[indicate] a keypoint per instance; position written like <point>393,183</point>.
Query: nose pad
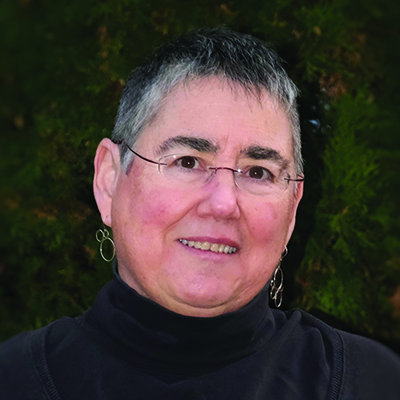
<point>220,200</point>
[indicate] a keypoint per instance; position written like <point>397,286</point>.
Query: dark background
<point>63,65</point>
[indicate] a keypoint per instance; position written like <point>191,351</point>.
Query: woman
<point>200,185</point>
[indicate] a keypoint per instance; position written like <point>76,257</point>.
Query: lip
<point>219,240</point>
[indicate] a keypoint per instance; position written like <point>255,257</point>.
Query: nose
<point>220,197</point>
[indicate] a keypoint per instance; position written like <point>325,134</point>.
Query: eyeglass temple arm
<point>295,180</point>
<point>137,154</point>
<point>213,168</point>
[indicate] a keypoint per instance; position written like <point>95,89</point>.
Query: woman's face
<point>151,215</point>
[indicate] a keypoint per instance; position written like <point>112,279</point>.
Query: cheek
<point>269,223</point>
<point>158,208</point>
<point>155,210</point>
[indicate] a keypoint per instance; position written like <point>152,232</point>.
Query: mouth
<point>209,246</point>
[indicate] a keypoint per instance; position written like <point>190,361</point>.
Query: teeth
<point>214,247</point>
<point>207,246</point>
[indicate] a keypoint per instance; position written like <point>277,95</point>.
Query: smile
<point>207,246</point>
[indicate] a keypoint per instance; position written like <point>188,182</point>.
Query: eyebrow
<point>265,153</point>
<point>254,152</point>
<point>189,142</point>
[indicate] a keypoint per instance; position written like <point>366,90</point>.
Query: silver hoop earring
<point>102,235</point>
<point>276,284</point>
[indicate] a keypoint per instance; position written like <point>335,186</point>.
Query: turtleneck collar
<point>146,333</point>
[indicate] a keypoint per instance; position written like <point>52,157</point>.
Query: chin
<point>200,299</point>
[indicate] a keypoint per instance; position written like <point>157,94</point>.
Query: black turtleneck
<point>139,346</point>
<point>128,347</point>
<point>155,338</point>
<point>128,344</point>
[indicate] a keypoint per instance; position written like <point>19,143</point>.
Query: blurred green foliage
<point>63,66</point>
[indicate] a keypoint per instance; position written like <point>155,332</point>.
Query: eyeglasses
<point>259,177</point>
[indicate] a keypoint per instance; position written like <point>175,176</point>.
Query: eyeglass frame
<point>214,169</point>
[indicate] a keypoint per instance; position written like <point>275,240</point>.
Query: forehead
<point>224,114</point>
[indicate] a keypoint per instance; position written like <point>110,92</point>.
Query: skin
<point>148,214</point>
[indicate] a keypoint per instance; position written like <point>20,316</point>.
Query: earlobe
<point>106,172</point>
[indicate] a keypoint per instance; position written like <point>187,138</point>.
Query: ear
<point>298,194</point>
<point>107,169</point>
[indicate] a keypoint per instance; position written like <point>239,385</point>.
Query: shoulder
<point>370,368</point>
<point>23,367</point>
<point>16,352</point>
<point>365,369</point>
<point>18,378</point>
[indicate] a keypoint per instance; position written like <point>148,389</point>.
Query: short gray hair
<point>201,53</point>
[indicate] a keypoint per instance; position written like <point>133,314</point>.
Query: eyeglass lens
<point>258,177</point>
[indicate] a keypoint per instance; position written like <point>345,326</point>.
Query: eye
<point>188,162</point>
<point>260,173</point>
